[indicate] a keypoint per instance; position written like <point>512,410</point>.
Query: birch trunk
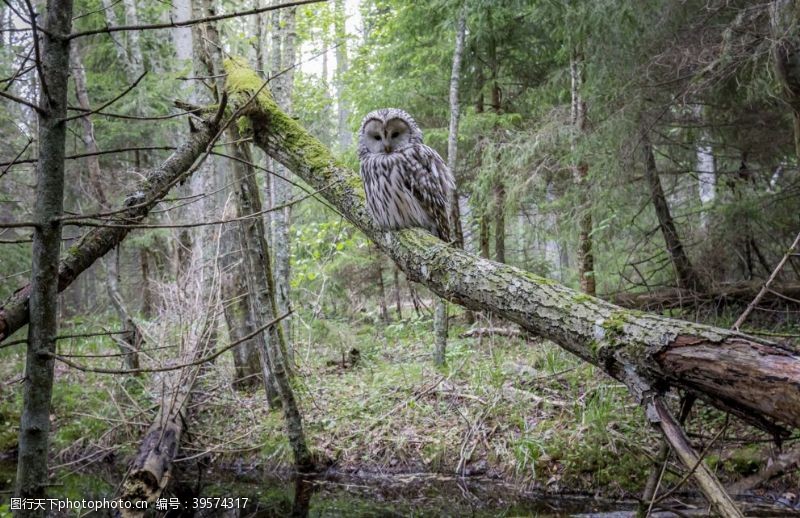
<point>440,322</point>
<point>136,62</point>
<point>182,36</point>
<point>34,428</point>
<point>112,21</point>
<point>753,378</point>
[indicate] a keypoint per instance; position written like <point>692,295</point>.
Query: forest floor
<point>516,409</point>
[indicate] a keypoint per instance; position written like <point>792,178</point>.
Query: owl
<point>407,183</point>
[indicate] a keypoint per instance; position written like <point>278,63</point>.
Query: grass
<point>521,410</point>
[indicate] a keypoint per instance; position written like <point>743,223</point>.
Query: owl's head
<point>387,130</point>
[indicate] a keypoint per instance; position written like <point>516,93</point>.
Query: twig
<point>711,487</point>
<point>20,100</point>
<point>37,53</point>
<point>16,161</point>
<point>190,22</point>
<point>765,288</point>
<point>83,223</point>
<point>199,361</point>
<point>106,104</point>
<point>8,166</point>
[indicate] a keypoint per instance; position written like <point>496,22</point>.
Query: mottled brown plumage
<point>407,183</point>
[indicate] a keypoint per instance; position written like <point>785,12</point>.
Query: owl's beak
<point>387,148</point>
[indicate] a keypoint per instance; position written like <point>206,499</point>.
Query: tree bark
<point>89,142</point>
<point>784,20</point>
<point>397,299</point>
<point>34,428</point>
<point>440,322</point>
<point>151,469</point>
<point>236,307</point>
<point>254,251</point>
<point>262,298</point>
<point>484,236</point>
<point>112,21</point>
<point>148,304</point>
<point>283,63</point>
<point>685,273</point>
<point>753,378</point>
<point>130,341</point>
<point>339,33</point>
<point>100,240</point>
<point>580,172</point>
<point>499,221</point>
<point>136,62</point>
<point>384,310</point>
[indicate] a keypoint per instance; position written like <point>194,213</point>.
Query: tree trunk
<point>751,377</point>
<point>34,428</point>
<point>182,36</point>
<point>339,33</point>
<point>136,62</point>
<point>98,241</point>
<point>484,236</point>
<point>706,171</point>
<point>685,273</point>
<point>580,172</point>
<point>255,254</point>
<point>148,304</point>
<point>784,19</point>
<point>263,304</point>
<point>384,310</point>
<point>151,470</point>
<point>130,341</point>
<point>112,21</point>
<point>283,63</point>
<point>440,322</point>
<point>236,307</point>
<point>397,302</point>
<point>89,142</point>
<point>499,221</point>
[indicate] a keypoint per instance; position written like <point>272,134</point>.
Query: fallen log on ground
<point>753,378</point>
<point>739,294</point>
<point>151,470</point>
<point>100,240</point>
<point>480,332</point>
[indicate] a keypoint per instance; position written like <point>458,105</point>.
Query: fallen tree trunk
<point>753,378</point>
<point>100,240</point>
<point>152,468</point>
<point>739,293</point>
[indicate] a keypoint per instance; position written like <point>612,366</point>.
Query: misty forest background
<point>643,152</point>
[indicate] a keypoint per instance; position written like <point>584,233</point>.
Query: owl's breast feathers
<point>410,187</point>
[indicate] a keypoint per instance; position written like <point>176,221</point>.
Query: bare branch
<point>199,361</point>
<point>106,104</point>
<point>193,21</point>
<point>20,100</point>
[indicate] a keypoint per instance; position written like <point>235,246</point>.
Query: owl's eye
<point>377,137</point>
<point>395,134</point>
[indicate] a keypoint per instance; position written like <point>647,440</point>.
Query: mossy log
<point>151,470</point>
<point>100,240</point>
<point>753,378</point>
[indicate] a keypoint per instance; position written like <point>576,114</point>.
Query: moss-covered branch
<point>755,379</point>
